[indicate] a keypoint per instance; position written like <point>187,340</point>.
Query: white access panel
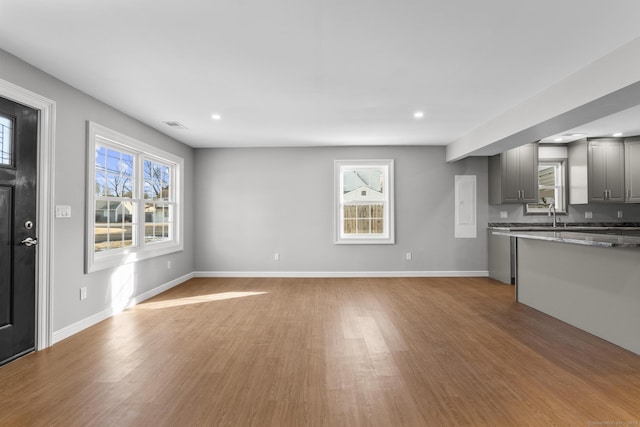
<point>465,217</point>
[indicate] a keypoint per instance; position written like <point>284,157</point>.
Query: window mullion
<point>139,200</point>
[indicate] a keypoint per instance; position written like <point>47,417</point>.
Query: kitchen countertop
<point>563,226</point>
<point>626,240</point>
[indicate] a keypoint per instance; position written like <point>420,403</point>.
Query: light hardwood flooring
<point>327,352</point>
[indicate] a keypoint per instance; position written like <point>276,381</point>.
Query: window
<point>6,140</point>
<point>158,205</point>
<point>551,187</point>
<point>133,200</point>
<point>364,202</point>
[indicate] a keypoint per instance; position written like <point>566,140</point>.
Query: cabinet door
<point>632,170</point>
<point>615,172</point>
<point>510,175</point>
<point>528,166</point>
<point>597,172</point>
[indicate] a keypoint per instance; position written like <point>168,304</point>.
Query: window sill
<point>103,261</point>
<point>364,241</point>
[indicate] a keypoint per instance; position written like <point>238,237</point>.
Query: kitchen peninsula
<point>589,280</point>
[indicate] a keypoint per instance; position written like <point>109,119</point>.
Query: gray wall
<point>252,203</point>
<point>73,109</point>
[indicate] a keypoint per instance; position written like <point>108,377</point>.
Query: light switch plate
<point>63,211</point>
<point>588,215</point>
<point>504,214</point>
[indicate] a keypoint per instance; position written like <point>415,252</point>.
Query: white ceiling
<point>624,123</point>
<point>314,72</point>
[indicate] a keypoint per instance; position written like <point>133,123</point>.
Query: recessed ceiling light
<point>558,140</point>
<point>418,115</point>
<point>216,117</point>
<point>617,134</point>
<point>575,135</point>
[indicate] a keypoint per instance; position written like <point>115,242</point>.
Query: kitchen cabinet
<point>606,170</point>
<point>632,169</point>
<point>513,176</point>
<point>600,172</point>
<point>578,152</point>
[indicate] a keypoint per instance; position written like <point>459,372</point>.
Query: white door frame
<point>44,258</point>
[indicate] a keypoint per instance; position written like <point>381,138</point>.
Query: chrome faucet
<point>552,209</point>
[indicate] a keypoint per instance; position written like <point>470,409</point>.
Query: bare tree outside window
<point>114,205</point>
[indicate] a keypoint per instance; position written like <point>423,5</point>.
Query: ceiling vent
<point>174,124</point>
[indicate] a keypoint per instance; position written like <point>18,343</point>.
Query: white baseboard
<point>74,328</point>
<point>329,274</point>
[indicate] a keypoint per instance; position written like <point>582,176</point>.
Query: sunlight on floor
<point>123,286</point>
<point>197,299</point>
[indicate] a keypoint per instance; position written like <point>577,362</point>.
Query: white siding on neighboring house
<point>118,209</point>
<point>364,194</point>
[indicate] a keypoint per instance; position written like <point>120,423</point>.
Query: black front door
<point>18,168</point>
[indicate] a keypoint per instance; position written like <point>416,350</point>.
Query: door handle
<point>29,241</point>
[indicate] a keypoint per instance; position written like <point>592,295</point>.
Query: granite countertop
<point>575,237</point>
<point>573,226</point>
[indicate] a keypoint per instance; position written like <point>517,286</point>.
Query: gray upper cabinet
<point>632,169</point>
<point>513,176</point>
<point>606,170</point>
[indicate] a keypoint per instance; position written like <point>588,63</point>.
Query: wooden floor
<point>327,352</point>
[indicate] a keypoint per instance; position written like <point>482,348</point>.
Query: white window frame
<point>103,136</point>
<point>388,236</point>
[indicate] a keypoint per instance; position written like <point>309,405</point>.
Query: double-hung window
<point>364,202</point>
<point>134,200</point>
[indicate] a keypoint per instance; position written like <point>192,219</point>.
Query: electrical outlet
<point>168,264</point>
<point>83,293</point>
<point>619,214</point>
<point>504,214</point>
<point>408,256</point>
<point>276,256</point>
<point>588,215</point>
